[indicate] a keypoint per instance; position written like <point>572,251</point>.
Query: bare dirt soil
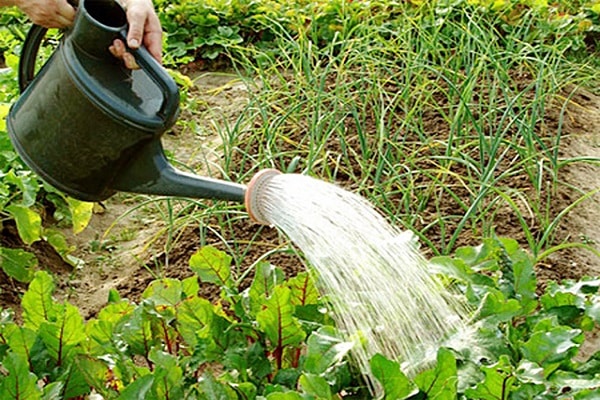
<point>124,250</point>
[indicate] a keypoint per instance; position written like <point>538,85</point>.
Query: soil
<point>126,245</point>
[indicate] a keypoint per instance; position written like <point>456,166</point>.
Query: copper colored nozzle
<point>252,199</point>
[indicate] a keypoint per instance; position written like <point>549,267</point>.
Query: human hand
<point>47,13</point>
<point>144,28</point>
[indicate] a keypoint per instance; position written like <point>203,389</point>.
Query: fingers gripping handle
<point>170,105</point>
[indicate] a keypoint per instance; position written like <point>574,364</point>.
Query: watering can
<point>91,127</point>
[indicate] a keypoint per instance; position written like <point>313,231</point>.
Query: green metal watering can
<point>91,127</point>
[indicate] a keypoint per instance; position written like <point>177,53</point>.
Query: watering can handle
<point>29,52</point>
<point>161,78</point>
<point>168,109</point>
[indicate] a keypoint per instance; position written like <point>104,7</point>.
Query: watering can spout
<point>151,173</point>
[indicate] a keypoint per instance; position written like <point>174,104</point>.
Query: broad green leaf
<point>451,267</point>
<point>395,384</point>
<point>324,350</point>
<point>4,108</point>
<point>277,320</point>
<point>102,329</point>
<point>20,340</point>
<point>585,286</point>
<point>212,266</point>
<point>38,305</point>
<point>528,391</point>
<point>58,240</point>
<point>593,310</point>
<point>62,335</point>
<point>20,384</point>
<point>287,377</point>
<point>285,396</point>
<point>469,373</point>
<point>525,282</point>
<point>258,361</point>
<point>497,308</point>
<point>27,184</point>
<point>303,289</point>
<point>551,345</point>
<point>591,394</point>
<point>166,291</point>
<point>498,380</point>
<point>81,213</point>
<point>53,391</point>
<point>530,381</point>
<point>96,373</point>
<point>573,382</point>
<point>479,258</point>
<point>18,263</point>
<point>529,372</point>
<point>582,296</point>
<point>137,333</point>
<point>591,366</point>
<point>74,383</point>
<point>558,296</point>
<point>190,286</point>
<point>193,315</point>
<point>441,382</point>
<point>246,390</point>
<point>266,277</point>
<point>315,385</point>
<point>167,376</point>
<point>213,389</point>
<point>114,296</point>
<point>12,61</point>
<point>140,389</point>
<point>29,223</point>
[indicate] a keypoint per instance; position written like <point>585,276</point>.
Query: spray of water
<point>380,286</point>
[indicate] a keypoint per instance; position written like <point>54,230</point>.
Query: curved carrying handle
<point>169,108</point>
<point>30,50</point>
<point>29,53</point>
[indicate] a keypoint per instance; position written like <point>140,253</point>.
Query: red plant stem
<point>278,354</point>
<point>167,340</point>
<point>296,359</point>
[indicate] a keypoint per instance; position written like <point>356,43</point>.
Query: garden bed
<point>125,250</point>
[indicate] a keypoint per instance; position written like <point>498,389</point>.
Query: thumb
<point>136,28</point>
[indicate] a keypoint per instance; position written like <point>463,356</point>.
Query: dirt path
<point>582,122</point>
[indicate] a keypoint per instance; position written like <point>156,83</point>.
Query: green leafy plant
<point>175,344</point>
<point>272,340</point>
<point>325,70</point>
<point>212,29</point>
<point>24,199</point>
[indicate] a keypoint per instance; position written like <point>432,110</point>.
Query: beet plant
<point>275,339</point>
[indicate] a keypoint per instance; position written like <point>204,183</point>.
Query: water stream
<point>380,286</point>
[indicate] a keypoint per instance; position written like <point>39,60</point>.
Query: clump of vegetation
<point>416,105</point>
<point>211,29</point>
<point>275,340</point>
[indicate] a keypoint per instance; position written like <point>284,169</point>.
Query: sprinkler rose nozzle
<point>255,197</point>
